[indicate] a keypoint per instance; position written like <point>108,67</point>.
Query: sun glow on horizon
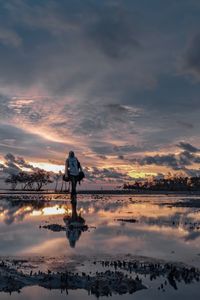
<point>141,174</point>
<point>48,166</point>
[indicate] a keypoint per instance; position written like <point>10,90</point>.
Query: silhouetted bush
<point>166,184</point>
<point>29,180</point>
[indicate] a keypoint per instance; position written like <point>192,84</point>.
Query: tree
<point>13,180</point>
<point>29,180</point>
<point>178,182</point>
<point>41,178</point>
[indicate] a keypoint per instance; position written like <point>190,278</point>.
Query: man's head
<point>71,154</point>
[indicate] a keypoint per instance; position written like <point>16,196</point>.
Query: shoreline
<point>102,192</point>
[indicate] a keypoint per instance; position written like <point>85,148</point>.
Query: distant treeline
<point>166,184</point>
<point>29,180</point>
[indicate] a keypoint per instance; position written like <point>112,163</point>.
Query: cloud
<point>177,162</point>
<point>98,77</point>
<point>127,149</point>
<point>9,37</point>
<point>106,148</point>
<point>168,160</point>
<point>78,34</point>
<point>14,212</point>
<point>185,124</point>
<point>29,144</point>
<point>188,147</point>
<point>109,175</point>
<point>192,59</point>
<point>191,236</point>
<point>113,32</point>
<point>19,161</point>
<point>14,165</point>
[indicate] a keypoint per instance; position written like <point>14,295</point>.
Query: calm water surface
<point>163,229</point>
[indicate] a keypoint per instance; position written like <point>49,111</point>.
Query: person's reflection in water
<point>75,225</point>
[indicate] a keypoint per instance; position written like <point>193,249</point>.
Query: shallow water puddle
<point>157,227</point>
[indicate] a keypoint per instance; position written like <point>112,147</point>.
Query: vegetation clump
<point>174,183</point>
<point>34,180</point>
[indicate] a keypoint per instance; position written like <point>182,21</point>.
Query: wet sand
<point>107,275</point>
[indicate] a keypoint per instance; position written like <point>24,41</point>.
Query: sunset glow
<point>110,92</point>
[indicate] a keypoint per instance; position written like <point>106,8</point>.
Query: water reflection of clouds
<point>159,229</point>
<point>14,211</point>
<point>11,213</point>
<point>47,247</point>
<point>144,240</point>
<point>192,236</point>
<point>147,212</point>
<point>17,237</point>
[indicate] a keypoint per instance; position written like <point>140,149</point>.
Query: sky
<point>117,81</point>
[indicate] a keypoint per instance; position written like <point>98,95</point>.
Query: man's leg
<point>73,191</point>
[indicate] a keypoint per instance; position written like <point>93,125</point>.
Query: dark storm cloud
<point>180,161</point>
<point>188,147</point>
<point>106,174</point>
<point>127,149</point>
<point>168,160</point>
<point>112,149</point>
<point>192,60</point>
<point>191,236</point>
<point>51,32</point>
<point>99,118</point>
<point>109,25</point>
<point>17,161</point>
<point>13,165</point>
<point>185,124</point>
<point>76,34</point>
<point>9,168</point>
<point>102,148</point>
<point>113,32</point>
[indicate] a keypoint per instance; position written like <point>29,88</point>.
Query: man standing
<point>72,170</point>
